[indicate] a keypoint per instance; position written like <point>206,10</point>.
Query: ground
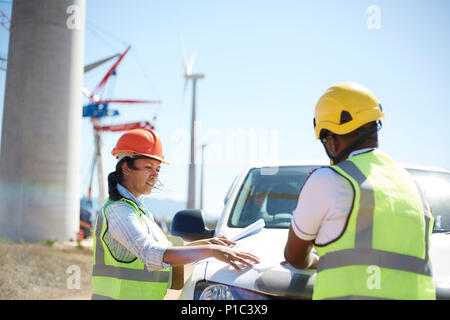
<point>49,271</point>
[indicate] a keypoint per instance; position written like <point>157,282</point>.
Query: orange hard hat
<point>139,142</point>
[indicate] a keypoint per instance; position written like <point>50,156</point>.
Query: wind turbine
<point>189,75</point>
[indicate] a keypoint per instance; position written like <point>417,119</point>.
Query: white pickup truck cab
<point>270,193</point>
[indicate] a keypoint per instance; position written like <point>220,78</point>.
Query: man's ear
<point>334,145</point>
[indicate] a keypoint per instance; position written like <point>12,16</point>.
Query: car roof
<point>426,168</point>
<point>320,163</point>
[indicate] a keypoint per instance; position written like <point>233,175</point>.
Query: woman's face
<point>142,179</point>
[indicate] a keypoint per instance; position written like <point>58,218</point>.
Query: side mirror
<point>190,225</point>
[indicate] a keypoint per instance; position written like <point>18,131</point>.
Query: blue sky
<point>266,63</point>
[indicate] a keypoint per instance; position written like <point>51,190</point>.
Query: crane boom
<point>126,126</point>
<point>4,20</point>
<point>110,72</point>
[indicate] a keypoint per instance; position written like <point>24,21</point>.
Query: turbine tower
<point>40,149</point>
<point>188,75</point>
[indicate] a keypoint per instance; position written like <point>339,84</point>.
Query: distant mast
<point>192,174</point>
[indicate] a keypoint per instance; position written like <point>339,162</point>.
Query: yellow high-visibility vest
<point>113,279</point>
<point>383,251</point>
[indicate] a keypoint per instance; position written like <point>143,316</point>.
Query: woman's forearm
<point>176,256</point>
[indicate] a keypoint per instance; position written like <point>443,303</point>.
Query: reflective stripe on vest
<point>150,280</point>
<point>383,259</point>
<point>357,298</point>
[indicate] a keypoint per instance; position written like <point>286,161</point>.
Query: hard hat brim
<point>341,129</point>
<point>130,152</point>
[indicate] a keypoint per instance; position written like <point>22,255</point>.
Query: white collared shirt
<point>323,205</point>
<point>128,238</point>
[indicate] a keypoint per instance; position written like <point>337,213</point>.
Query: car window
<point>270,194</point>
<point>436,187</point>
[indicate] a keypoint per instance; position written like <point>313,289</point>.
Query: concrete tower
<point>40,148</point>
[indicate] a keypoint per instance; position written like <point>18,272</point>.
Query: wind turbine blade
<point>183,55</point>
<point>191,63</point>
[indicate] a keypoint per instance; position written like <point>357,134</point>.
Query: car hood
<point>269,276</point>
<point>283,280</point>
<point>440,259</point>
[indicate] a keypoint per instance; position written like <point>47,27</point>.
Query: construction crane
<point>97,109</point>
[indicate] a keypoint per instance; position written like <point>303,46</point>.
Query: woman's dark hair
<point>116,177</point>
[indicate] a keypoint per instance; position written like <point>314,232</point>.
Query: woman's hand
<point>176,256</point>
<point>233,257</point>
<point>220,241</point>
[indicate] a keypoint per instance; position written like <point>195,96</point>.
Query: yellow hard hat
<point>345,107</point>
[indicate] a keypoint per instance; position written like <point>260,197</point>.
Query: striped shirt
<point>127,238</point>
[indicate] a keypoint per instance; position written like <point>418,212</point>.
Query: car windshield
<point>436,186</point>
<point>272,194</point>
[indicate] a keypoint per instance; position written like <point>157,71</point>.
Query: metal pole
<point>202,176</point>
<point>99,163</point>
<point>192,174</point>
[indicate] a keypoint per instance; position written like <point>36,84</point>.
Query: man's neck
<point>365,145</point>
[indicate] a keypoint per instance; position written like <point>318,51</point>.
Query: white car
<point>270,193</point>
